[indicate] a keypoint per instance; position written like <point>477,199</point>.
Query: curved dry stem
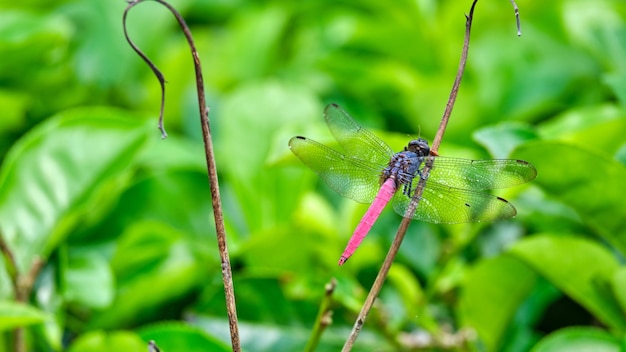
<point>229,290</point>
<point>152,66</point>
<point>517,21</point>
<point>404,225</point>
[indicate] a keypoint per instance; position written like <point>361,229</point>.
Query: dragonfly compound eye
<point>419,147</point>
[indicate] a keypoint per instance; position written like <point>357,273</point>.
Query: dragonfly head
<point>418,146</point>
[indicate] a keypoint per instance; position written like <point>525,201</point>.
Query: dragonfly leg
<point>406,189</point>
<point>407,182</point>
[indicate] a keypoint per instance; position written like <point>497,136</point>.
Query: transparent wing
<point>442,204</point>
<point>479,174</point>
<point>355,140</point>
<point>348,176</point>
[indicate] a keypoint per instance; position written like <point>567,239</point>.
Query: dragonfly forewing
<point>355,140</point>
<point>348,176</point>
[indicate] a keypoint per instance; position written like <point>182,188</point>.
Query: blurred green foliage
<point>123,220</point>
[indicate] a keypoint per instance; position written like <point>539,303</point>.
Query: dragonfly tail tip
<point>342,260</point>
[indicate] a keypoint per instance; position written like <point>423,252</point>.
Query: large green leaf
<point>603,124</point>
<point>176,336</point>
<point>579,267</point>
<point>14,315</point>
<point>177,196</point>
<point>587,181</point>
<point>27,40</point>
<point>61,172</point>
<point>578,339</point>
<point>619,287</point>
<point>155,265</point>
<point>88,280</point>
<point>262,194</point>
<point>99,341</point>
<point>492,292</point>
<point>503,138</point>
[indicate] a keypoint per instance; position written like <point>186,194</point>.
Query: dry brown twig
<point>22,286</point>
<point>404,225</point>
<point>229,290</point>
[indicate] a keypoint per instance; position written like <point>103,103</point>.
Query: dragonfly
<point>454,190</point>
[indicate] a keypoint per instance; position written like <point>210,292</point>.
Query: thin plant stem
<point>10,263</point>
<point>517,20</point>
<point>152,347</point>
<point>324,316</point>
<point>404,225</point>
<point>229,290</point>
<point>22,286</point>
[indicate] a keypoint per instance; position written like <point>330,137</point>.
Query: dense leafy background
<point>123,219</point>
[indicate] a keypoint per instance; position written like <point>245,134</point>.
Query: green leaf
<point>492,292</point>
<point>89,280</point>
<point>99,341</point>
<point>503,138</point>
<point>586,181</point>
<point>177,195</point>
<point>176,336</point>
<point>578,339</point>
<point>408,286</point>
<point>617,83</point>
<point>423,236</point>
<point>244,153</point>
<point>155,265</point>
<point>62,171</point>
<point>255,41</point>
<point>603,124</point>
<point>411,303</point>
<point>14,315</point>
<point>619,287</point>
<point>14,105</point>
<point>27,40</point>
<point>599,28</point>
<point>580,268</point>
<point>174,153</point>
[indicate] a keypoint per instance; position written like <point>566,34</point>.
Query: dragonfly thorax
<point>403,168</point>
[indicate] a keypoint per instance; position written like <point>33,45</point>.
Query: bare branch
<point>404,225</point>
<point>229,290</point>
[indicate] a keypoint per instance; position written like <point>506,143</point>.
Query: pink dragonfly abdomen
<point>387,190</point>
